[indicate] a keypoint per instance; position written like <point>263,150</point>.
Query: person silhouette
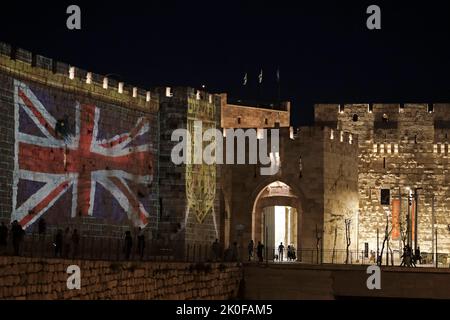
<point>281,251</point>
<point>128,244</point>
<point>251,246</point>
<point>259,251</point>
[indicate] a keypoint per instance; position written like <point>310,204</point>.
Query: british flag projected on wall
<point>78,160</point>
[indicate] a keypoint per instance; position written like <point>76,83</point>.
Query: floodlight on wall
<point>89,78</point>
<point>259,133</point>
<point>105,83</point>
<point>72,73</point>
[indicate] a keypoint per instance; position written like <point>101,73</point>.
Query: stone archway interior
<point>276,217</point>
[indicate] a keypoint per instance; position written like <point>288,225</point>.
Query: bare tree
<point>387,234</point>
<point>334,245</point>
<point>318,239</point>
<point>347,238</point>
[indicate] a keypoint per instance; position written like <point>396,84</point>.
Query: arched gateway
<point>304,206</point>
<point>276,217</point>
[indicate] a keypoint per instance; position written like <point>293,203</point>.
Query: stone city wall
<point>46,279</point>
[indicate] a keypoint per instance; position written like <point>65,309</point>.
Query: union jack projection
<point>87,171</point>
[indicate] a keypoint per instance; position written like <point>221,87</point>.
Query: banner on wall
<point>396,216</point>
<point>83,165</point>
<point>395,219</point>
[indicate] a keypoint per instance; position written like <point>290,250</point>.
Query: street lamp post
<point>408,220</point>
<point>416,219</point>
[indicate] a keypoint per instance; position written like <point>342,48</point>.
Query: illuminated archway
<point>276,216</point>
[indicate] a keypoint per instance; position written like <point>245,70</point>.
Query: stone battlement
<point>436,115</point>
<point>30,66</point>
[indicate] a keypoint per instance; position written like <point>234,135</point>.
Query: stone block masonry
<point>74,151</point>
<point>401,147</point>
<point>46,279</point>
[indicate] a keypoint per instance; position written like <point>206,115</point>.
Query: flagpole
<point>279,86</point>
<point>260,80</point>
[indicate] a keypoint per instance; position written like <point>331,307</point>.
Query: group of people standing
<point>129,244</point>
<point>16,234</point>
<point>259,251</point>
<point>291,254</point>
<point>66,243</point>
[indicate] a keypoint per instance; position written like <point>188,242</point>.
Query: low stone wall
<point>34,278</point>
<point>304,282</point>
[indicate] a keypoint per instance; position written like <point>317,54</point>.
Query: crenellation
<point>58,74</point>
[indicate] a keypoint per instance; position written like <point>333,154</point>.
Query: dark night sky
<point>324,50</point>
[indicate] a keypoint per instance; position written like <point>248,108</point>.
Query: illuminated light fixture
<point>341,108</point>
<point>370,107</point>
<point>169,92</point>
<point>120,89</point>
<point>72,73</point>
<point>105,83</point>
<point>89,78</point>
<point>210,99</point>
<point>332,134</point>
<point>291,133</point>
<point>224,133</point>
<point>197,95</point>
<point>430,108</point>
<point>259,134</point>
<point>342,136</point>
<point>350,139</point>
<point>135,92</point>
<point>148,96</point>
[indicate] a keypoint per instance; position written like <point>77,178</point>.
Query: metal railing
<point>340,256</point>
<point>114,249</point>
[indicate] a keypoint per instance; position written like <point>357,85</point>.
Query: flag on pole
<point>260,77</point>
<point>245,79</point>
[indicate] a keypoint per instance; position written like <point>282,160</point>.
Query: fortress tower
<point>402,147</point>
